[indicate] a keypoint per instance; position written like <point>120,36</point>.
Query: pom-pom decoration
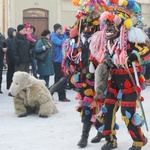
<point>125,3</point>
<point>113,1</point>
<point>95,23</point>
<point>128,23</point>
<point>136,8</point>
<point>131,4</point>
<point>120,3</point>
<point>73,32</point>
<point>75,2</point>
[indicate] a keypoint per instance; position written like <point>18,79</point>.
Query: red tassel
<point>138,89</point>
<point>142,99</point>
<point>127,84</point>
<point>109,82</point>
<point>141,79</point>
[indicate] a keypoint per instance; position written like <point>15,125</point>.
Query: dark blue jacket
<point>57,41</point>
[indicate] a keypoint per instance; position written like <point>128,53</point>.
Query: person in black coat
<point>20,47</point>
<point>3,49</point>
<point>9,57</point>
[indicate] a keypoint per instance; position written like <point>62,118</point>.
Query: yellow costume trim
<point>125,120</point>
<point>139,144</point>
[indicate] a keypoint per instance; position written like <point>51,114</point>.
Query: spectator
<point>9,56</point>
<point>3,49</point>
<point>57,38</point>
<point>20,47</point>
<point>45,68</point>
<point>28,33</point>
<point>32,47</point>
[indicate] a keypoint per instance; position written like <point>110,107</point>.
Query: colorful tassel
<point>128,115</point>
<point>87,112</point>
<point>119,96</point>
<point>91,68</point>
<point>116,126</point>
<point>100,129</point>
<point>137,120</point>
<point>106,91</point>
<point>76,77</point>
<point>143,86</point>
<point>104,109</point>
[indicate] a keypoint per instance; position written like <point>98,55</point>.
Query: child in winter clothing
<point>28,33</point>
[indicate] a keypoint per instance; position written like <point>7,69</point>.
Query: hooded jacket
<point>9,53</point>
<point>57,41</point>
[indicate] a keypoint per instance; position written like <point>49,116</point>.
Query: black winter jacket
<point>20,47</point>
<point>9,53</point>
<point>2,45</point>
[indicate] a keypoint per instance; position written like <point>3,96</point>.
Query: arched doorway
<point>36,17</point>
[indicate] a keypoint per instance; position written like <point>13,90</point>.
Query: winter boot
<point>97,138</point>
<point>135,148</point>
<point>85,134</point>
<point>109,145</point>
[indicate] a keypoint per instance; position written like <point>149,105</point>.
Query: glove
<point>46,46</point>
<point>133,57</point>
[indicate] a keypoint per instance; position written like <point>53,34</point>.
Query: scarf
<point>47,42</point>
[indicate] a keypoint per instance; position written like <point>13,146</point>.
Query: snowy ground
<point>61,131</point>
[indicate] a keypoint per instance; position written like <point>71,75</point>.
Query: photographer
<point>45,67</point>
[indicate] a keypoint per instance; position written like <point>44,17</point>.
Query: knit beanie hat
<point>27,25</point>
<point>45,32</point>
<point>20,27</point>
<point>56,26</point>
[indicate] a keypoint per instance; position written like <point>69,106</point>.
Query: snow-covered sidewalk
<point>61,131</point>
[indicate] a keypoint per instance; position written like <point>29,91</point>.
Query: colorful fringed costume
<point>77,61</point>
<point>124,45</point>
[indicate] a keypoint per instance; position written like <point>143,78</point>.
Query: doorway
<point>38,18</point>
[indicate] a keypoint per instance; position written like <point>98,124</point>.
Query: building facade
<point>43,14</point>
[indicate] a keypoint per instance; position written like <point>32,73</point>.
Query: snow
<point>61,131</point>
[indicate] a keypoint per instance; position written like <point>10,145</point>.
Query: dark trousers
<point>1,73</point>
<point>46,79</point>
<point>34,67</point>
<point>147,74</point>
<point>121,81</point>
<point>23,67</point>
<point>9,76</point>
<point>58,75</point>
